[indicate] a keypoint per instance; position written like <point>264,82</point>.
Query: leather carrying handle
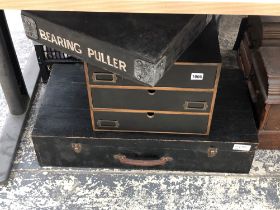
<point>148,163</point>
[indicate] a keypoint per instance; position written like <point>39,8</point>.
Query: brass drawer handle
<point>108,123</point>
<point>104,77</point>
<point>195,106</point>
<point>148,163</point>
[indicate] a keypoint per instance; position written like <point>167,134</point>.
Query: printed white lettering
<point>53,39</point>
<point>122,65</point>
<point>60,41</point>
<point>109,61</point>
<point>90,52</point>
<point>76,47</point>
<point>48,36</point>
<point>42,34</point>
<point>102,58</point>
<point>99,56</point>
<point>115,61</point>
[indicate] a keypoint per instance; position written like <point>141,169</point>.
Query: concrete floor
<point>33,187</point>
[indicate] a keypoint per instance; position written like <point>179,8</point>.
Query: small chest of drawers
<point>182,102</point>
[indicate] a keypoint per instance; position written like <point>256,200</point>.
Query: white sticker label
<point>241,147</point>
<point>197,76</point>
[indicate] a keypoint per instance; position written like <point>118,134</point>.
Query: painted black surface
<point>57,127</point>
<point>127,37</point>
<point>206,48</point>
<point>161,100</point>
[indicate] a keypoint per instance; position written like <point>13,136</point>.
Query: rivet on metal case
<point>212,151</point>
<point>77,147</point>
<point>149,73</point>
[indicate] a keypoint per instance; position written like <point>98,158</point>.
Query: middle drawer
<point>152,99</point>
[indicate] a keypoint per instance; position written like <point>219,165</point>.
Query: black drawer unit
<point>182,102</point>
<point>63,136</point>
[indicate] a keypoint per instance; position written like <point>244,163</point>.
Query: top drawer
<point>181,75</point>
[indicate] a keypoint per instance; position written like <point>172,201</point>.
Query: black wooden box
<point>182,102</point>
<point>140,47</point>
<point>62,134</point>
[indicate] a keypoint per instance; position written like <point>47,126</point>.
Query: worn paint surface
<point>33,187</point>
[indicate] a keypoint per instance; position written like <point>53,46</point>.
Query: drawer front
<point>151,122</point>
<point>179,76</point>
<point>79,153</point>
<point>161,100</point>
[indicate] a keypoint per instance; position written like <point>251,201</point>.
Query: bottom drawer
<point>187,156</point>
<point>151,122</point>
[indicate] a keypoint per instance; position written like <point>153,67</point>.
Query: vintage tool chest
<point>140,47</point>
<point>182,102</point>
<point>63,136</point>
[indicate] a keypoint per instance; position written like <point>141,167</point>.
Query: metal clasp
<point>212,151</point>
<point>77,148</point>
